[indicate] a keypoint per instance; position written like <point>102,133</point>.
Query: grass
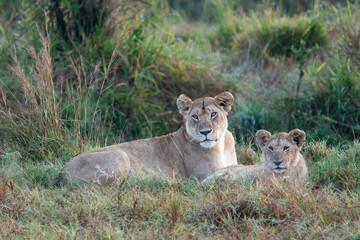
<point>117,79</point>
<point>168,208</point>
<point>269,32</point>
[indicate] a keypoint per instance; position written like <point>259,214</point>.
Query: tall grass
<point>325,101</point>
<point>271,32</point>
<point>42,122</point>
<point>276,34</point>
<point>33,121</point>
<point>228,32</point>
<point>349,34</point>
<point>128,94</point>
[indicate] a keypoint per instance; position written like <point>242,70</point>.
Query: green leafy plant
<point>302,53</point>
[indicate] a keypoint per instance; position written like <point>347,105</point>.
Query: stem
<point>299,82</point>
<point>301,74</point>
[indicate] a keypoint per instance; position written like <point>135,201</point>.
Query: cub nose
<point>205,131</point>
<point>277,163</point>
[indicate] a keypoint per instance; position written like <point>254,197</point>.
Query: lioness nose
<point>277,163</point>
<point>205,131</point>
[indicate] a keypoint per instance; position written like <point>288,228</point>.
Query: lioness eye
<point>213,114</point>
<point>286,149</point>
<point>271,148</point>
<point>195,117</point>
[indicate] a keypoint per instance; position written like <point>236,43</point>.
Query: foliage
<point>302,54</point>
<point>110,71</point>
<point>34,122</point>
<point>271,32</point>
<point>338,168</point>
<point>206,10</point>
<point>349,31</point>
<point>228,28</point>
<point>331,106</point>
<point>327,102</point>
<point>279,34</point>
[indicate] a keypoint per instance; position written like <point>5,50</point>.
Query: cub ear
<point>184,104</point>
<point>224,100</point>
<point>261,137</point>
<point>297,136</point>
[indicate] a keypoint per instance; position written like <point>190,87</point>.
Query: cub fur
<point>281,158</point>
<point>200,147</point>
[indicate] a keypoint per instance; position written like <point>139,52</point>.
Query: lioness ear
<point>297,136</point>
<point>261,137</point>
<point>184,104</point>
<point>224,100</point>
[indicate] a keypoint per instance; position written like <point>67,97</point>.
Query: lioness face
<point>280,150</point>
<point>205,118</point>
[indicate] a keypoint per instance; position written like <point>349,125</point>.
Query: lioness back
<point>199,148</point>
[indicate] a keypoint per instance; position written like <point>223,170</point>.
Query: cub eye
<point>271,148</point>
<point>213,114</point>
<point>286,149</point>
<point>195,117</point>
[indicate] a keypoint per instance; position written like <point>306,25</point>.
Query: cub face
<point>280,150</point>
<point>205,118</point>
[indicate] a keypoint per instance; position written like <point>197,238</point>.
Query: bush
<point>332,106</point>
<point>276,35</point>
<point>349,34</point>
<point>329,108</point>
<point>228,30</point>
<point>271,32</point>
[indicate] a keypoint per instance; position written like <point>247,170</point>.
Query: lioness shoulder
<point>200,147</point>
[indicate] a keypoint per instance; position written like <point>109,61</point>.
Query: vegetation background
<point>81,74</point>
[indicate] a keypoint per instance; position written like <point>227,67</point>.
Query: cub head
<point>205,118</point>
<point>281,150</point>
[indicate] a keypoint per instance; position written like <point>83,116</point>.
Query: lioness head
<point>280,150</point>
<point>205,118</point>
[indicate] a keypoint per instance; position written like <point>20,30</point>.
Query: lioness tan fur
<point>281,158</point>
<point>200,147</point>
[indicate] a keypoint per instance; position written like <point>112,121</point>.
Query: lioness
<point>200,147</point>
<point>280,158</point>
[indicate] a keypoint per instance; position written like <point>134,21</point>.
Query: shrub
<point>271,32</point>
<point>228,30</point>
<point>276,34</point>
<point>349,34</point>
<point>328,106</point>
<point>332,106</point>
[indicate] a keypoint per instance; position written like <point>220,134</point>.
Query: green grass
<point>34,206</point>
<point>269,32</point>
<point>117,77</point>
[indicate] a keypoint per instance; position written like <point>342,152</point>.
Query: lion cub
<point>281,158</point>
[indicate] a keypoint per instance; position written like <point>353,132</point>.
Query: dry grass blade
<point>4,187</point>
<point>3,96</point>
